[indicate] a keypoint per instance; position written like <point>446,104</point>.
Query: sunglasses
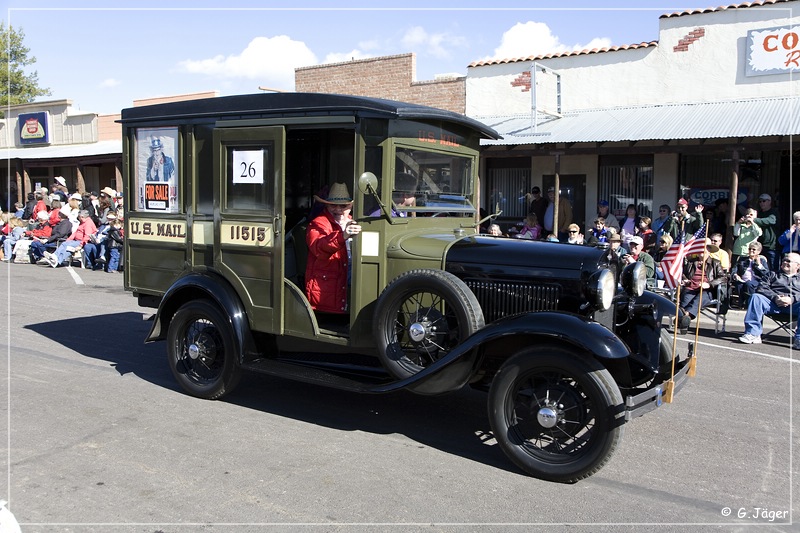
<point>573,231</point>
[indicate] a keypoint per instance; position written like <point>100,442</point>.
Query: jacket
<point>780,284</point>
<point>790,240</point>
<point>745,234</point>
<point>326,270</point>
<point>760,268</point>
<point>714,272</point>
<point>62,230</point>
<point>768,222</point>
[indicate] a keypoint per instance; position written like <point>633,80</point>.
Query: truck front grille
<point>500,298</point>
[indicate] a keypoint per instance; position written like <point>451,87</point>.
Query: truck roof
<point>297,104</point>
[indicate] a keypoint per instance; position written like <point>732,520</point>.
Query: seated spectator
<point>59,232</point>
<point>95,249</point>
<point>19,209</point>
<point>531,229</point>
<point>574,235</point>
<point>748,272</point>
<point>615,242</point>
<point>42,227</point>
<point>695,277</point>
<point>75,241</point>
<point>637,253</point>
<point>55,217</point>
<point>495,230</point>
<point>16,232</point>
<point>777,293</point>
<point>552,238</point>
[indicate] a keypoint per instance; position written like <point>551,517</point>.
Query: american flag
<point>672,262</point>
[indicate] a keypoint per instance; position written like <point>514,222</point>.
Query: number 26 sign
<point>248,166</point>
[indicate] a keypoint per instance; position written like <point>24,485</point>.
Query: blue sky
<point>104,55</point>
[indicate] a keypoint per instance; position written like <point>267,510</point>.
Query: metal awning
<point>763,117</point>
<point>64,151</point>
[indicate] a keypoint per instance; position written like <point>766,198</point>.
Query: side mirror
<point>368,183</point>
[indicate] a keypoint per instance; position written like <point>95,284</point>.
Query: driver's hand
<point>352,229</point>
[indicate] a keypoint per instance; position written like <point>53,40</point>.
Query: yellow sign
<point>245,234</point>
<point>157,230</point>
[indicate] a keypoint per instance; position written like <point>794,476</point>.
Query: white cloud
<point>341,57</point>
<point>108,83</point>
<point>270,60</point>
<point>536,38</point>
<point>437,45</point>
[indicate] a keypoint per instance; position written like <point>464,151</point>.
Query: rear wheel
<point>201,350</point>
<point>556,414</point>
<point>420,317</point>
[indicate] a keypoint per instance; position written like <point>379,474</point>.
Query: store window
<point>508,182</point>
<point>626,180</point>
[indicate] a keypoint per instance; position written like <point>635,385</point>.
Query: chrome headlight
<point>634,279</point>
<point>602,287</point>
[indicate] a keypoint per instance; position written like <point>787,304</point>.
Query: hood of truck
<point>423,244</point>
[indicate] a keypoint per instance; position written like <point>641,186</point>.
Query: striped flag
<point>672,262</point>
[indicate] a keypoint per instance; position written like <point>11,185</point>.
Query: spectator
<point>115,241</point>
<point>790,239</point>
<point>564,214</point>
<point>59,188</point>
<point>749,270</point>
<point>767,220</point>
<point>61,231</point>
<point>720,255</point>
<point>695,277</point>
<point>95,250</point>
<point>551,237</point>
<point>538,203</point>
<point>75,241</point>
<point>574,235</point>
<point>328,237</point>
<point>663,224</point>
<point>603,212</point>
<point>647,234</point>
<point>658,255</point>
<point>19,209</point>
<point>597,234</point>
<point>615,246</point>
<point>27,212</point>
<point>637,253</point>
<point>531,229</point>
<point>73,206</point>
<point>495,230</point>
<point>16,232</point>
<point>54,213</point>
<point>745,231</point>
<point>776,293</point>
<point>686,222</point>
<point>629,223</point>
<point>42,228</point>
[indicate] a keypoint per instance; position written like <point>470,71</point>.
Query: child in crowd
<point>115,241</point>
<point>531,230</point>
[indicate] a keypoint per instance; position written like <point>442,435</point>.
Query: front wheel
<point>556,414</point>
<point>201,350</point>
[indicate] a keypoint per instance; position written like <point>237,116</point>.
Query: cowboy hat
<point>108,191</point>
<point>338,195</point>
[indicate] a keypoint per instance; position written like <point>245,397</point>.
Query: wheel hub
<point>416,332</point>
<point>194,351</point>
<point>547,417</point>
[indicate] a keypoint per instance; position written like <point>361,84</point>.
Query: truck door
<point>248,218</point>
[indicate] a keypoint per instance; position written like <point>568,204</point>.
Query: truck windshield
<point>443,181</point>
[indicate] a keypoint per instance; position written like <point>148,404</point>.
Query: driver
<point>403,195</point>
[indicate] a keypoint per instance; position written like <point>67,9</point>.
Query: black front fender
<point>210,286</point>
<point>455,369</point>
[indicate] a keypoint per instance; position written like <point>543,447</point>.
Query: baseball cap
<point>682,201</point>
<point>604,203</point>
<point>765,196</point>
<point>636,240</point>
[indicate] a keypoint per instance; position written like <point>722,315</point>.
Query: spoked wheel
<point>420,317</point>
<point>555,414</point>
<point>201,351</point>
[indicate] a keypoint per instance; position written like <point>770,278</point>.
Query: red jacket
<point>326,271</point>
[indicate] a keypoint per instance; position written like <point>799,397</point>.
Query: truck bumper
<point>651,399</point>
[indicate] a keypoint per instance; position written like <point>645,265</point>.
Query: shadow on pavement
<point>454,423</point>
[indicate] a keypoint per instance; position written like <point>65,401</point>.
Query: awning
<point>763,117</point>
<point>64,151</point>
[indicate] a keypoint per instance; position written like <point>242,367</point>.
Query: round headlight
<point>602,287</point>
<point>634,279</point>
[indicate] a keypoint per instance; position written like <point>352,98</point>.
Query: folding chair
<point>717,309</point>
<point>785,321</point>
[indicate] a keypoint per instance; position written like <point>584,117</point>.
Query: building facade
<point>705,112</point>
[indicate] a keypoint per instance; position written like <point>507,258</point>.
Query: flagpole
<point>693,362</point>
<point>669,390</point>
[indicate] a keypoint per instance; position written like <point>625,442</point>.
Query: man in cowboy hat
<point>328,239</point>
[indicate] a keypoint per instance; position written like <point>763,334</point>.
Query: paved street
<point>101,439</point>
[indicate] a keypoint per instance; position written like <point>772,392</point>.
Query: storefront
<point>705,112</point>
<point>42,140</point>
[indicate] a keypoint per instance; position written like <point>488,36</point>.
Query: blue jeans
<point>773,259</point>
<point>37,249</point>
<point>690,300</point>
<point>113,260</point>
<point>61,252</point>
<point>92,252</point>
<point>759,306</point>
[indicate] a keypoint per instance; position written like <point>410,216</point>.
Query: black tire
<point>201,350</point>
<point>556,414</point>
<point>422,315</point>
<point>665,351</point>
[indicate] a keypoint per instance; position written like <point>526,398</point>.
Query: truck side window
<point>250,178</point>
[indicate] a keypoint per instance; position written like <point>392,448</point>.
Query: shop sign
<point>34,128</point>
<point>707,196</point>
<point>773,51</point>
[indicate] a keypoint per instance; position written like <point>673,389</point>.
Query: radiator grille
<point>499,299</point>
